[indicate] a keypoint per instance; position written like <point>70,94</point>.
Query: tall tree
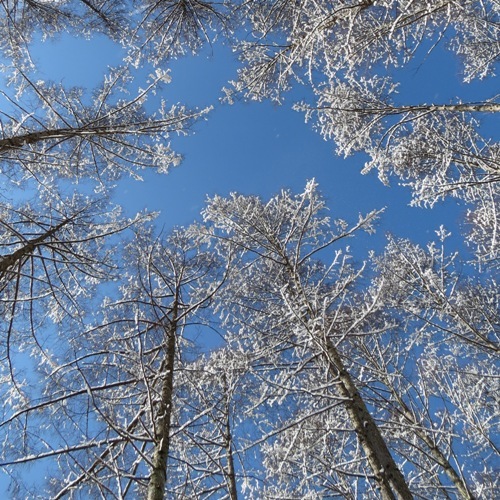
<point>166,29</point>
<point>347,52</point>
<point>307,303</point>
<point>68,134</point>
<point>385,358</point>
<point>123,371</point>
<point>453,319</point>
<point>24,23</point>
<point>219,390</point>
<point>54,253</point>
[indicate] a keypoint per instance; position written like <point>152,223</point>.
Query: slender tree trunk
<point>228,440</point>
<point>389,478</point>
<point>231,474</point>
<point>484,107</point>
<point>147,127</point>
<point>387,474</point>
<point>447,467</point>
<point>19,141</point>
<point>158,477</point>
<point>62,134</point>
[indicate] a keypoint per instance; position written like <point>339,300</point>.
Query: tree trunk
<point>484,107</point>
<point>438,455</point>
<point>389,478</point>
<point>230,472</point>
<point>387,474</point>
<point>19,141</point>
<point>445,464</point>
<point>158,477</point>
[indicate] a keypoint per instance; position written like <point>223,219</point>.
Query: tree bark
<point>482,107</point>
<point>438,455</point>
<point>158,477</point>
<point>389,478</point>
<point>146,127</point>
<point>230,473</point>
<point>387,474</point>
<point>447,467</point>
<point>19,141</point>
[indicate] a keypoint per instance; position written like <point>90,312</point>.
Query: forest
<point>265,350</point>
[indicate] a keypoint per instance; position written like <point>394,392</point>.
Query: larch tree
<point>447,357</point>
<point>166,29</point>
<point>394,359</point>
<point>307,303</point>
<point>326,386</point>
<point>55,253</point>
<point>126,370</point>
<point>218,392</point>
<point>21,22</point>
<point>66,134</point>
<point>61,152</point>
<point>335,378</point>
<point>349,54</point>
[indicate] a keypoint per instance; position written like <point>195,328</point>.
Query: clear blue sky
<point>260,148</point>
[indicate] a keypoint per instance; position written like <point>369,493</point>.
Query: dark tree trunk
<point>8,261</point>
<point>158,477</point>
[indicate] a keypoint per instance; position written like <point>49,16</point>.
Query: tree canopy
<point>257,352</point>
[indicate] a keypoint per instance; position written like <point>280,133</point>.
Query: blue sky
<point>260,148</point>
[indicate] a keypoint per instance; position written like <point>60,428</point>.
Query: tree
<point>218,390</point>
<point>68,137</point>
<point>281,238</point>
<point>54,253</point>
<point>346,52</point>
<point>318,324</point>
<point>19,20</point>
<point>454,318</point>
<point>336,378</point>
<point>306,41</point>
<point>122,370</point>
<point>166,29</point>
<point>55,248</point>
<point>429,286</point>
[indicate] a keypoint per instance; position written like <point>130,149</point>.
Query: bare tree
<point>346,361</point>
<point>170,28</point>
<point>65,136</point>
<point>281,238</point>
<point>454,319</point>
<point>429,286</point>
<point>345,53</point>
<point>54,254</point>
<point>123,371</point>
<point>305,41</point>
<point>21,21</point>
<point>219,392</point>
